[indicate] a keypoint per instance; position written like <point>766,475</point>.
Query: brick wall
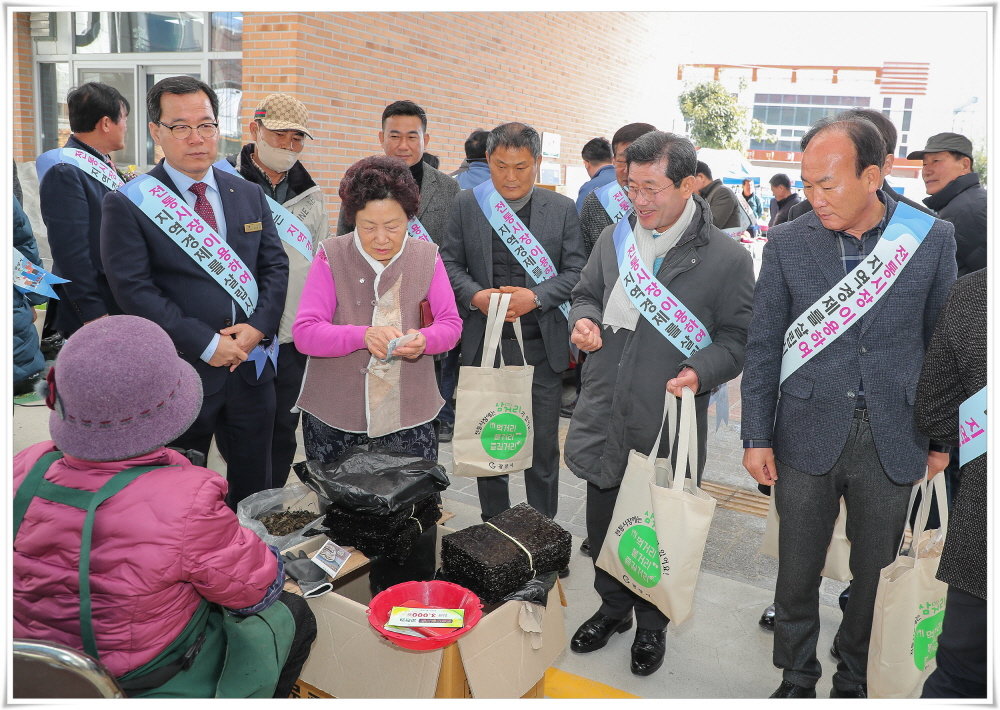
<point>567,73</point>
<point>22,90</point>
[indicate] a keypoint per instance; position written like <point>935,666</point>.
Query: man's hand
<point>227,353</point>
<point>686,378</point>
<point>377,339</point>
<point>760,464</point>
<point>522,300</point>
<point>937,461</point>
<point>586,335</point>
<point>247,336</point>
<point>482,300</point>
<point>413,349</point>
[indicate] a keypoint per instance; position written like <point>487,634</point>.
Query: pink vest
<point>347,392</point>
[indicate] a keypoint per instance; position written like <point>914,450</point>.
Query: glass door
<point>149,75</point>
<point>123,79</point>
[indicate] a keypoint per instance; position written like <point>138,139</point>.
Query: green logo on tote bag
<point>504,435</point>
<point>926,632</point>
<point>639,552</point>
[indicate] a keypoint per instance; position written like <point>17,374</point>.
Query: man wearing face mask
<point>279,130</point>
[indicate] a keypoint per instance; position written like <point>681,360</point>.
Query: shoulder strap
<point>26,491</point>
<point>34,485</point>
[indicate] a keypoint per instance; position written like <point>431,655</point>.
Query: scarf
<point>620,312</point>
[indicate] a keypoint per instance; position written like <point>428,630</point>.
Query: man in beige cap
<point>279,129</point>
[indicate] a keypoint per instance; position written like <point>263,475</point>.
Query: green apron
<point>216,655</point>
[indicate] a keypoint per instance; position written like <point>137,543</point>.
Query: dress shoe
<point>567,410</point>
<point>857,691</point>
<point>790,690</point>
<point>595,632</point>
<point>564,573</point>
<point>648,650</point>
<point>446,433</point>
<point>835,646</point>
<point>585,546</point>
<point>767,619</point>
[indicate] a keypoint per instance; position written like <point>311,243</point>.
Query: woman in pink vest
<point>377,303</point>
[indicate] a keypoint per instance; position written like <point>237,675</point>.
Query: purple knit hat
<point>119,390</point>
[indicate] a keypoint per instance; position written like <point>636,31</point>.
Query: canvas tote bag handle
<point>687,444</point>
<point>499,303</point>
<point>927,488</point>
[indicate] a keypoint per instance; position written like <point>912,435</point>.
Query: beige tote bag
<point>661,519</point>
<point>838,554</point>
<point>910,605</point>
<point>494,431</point>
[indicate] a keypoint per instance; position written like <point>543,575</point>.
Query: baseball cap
<point>282,112</point>
<point>954,142</point>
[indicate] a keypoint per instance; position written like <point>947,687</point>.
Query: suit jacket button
<point>863,349</point>
<point>227,322</point>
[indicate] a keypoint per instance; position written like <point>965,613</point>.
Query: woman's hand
<point>413,349</point>
<point>377,339</point>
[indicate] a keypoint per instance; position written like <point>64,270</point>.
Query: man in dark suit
<point>70,200</point>
<point>785,198</point>
<point>843,425</point>
<point>479,263</point>
<point>154,277</point>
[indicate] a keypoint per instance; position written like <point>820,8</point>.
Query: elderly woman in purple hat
<point>127,551</point>
<point>366,290</point>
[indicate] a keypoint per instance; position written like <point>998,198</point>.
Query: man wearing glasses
<point>634,355</point>
<point>194,249</point>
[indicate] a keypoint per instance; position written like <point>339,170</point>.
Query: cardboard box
<point>504,656</point>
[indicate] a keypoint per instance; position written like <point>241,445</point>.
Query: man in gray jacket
<point>631,362</point>
<point>480,263</point>
<point>844,307</point>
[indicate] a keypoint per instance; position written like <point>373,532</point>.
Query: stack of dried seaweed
<point>498,557</point>
<point>391,534</point>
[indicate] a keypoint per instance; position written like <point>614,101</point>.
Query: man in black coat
<point>70,194</point>
<point>954,371</point>
<point>956,195</point>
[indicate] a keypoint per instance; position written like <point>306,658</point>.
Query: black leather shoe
<point>767,619</point>
<point>835,646</point>
<point>567,410</point>
<point>858,691</point>
<point>585,546</point>
<point>595,632</point>
<point>564,573</point>
<point>446,433</point>
<point>790,690</point>
<point>647,651</point>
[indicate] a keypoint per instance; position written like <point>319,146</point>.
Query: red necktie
<point>202,206</point>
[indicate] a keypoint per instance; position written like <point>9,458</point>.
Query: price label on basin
<point>406,616</point>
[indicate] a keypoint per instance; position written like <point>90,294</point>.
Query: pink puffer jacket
<point>160,545</point>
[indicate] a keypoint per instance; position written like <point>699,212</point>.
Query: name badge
<point>253,227</point>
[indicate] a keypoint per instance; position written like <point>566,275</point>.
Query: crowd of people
<point>208,300</point>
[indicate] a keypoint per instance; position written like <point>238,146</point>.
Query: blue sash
<point>29,277</point>
<point>417,231</point>
<point>528,251</point>
<point>291,230</point>
<point>614,201</point>
<point>655,302</point>
<point>90,164</point>
<point>972,427</point>
<point>195,238</point>
<point>854,295</point>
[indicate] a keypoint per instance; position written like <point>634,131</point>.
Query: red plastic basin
<point>435,593</point>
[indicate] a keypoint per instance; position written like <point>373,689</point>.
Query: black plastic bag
<point>375,482</point>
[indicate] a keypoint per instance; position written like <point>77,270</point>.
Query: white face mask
<point>277,159</point>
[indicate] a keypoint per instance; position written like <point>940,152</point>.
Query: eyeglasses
<point>645,193</point>
<point>183,131</point>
